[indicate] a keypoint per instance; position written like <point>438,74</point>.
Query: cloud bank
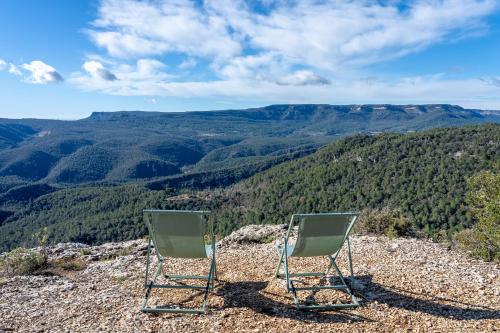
<point>306,50</point>
<point>320,34</point>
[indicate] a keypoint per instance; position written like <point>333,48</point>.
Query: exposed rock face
<point>403,285</point>
<point>67,250</point>
<point>254,234</point>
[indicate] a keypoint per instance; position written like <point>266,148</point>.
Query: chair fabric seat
<point>178,234</point>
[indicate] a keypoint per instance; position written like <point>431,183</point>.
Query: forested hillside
<point>421,174</point>
<point>85,214</point>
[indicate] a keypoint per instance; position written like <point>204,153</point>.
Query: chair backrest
<point>321,234</point>
<point>178,234</point>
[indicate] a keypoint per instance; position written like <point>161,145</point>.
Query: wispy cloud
<point>322,34</point>
<point>127,28</point>
<point>9,67</point>
<point>14,70</point>
<point>303,78</point>
<point>415,89</point>
<point>494,81</point>
<point>41,73</point>
<point>310,50</point>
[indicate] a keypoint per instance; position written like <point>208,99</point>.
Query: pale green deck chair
<point>318,235</point>
<point>178,234</point>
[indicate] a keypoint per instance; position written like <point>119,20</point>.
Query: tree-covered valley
<point>422,175</point>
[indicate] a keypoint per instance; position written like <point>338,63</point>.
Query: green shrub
<point>483,239</point>
<point>21,261</point>
<point>385,221</point>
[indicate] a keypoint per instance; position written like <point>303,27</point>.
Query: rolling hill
<point>131,146</point>
<point>422,174</point>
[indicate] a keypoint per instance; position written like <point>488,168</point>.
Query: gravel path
<point>404,285</point>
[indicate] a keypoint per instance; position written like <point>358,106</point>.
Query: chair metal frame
<point>283,253</point>
<point>149,286</point>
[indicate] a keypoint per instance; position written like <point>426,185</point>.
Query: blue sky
<point>64,59</point>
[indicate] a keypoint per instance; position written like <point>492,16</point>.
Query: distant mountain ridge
<point>295,111</point>
<point>134,145</point>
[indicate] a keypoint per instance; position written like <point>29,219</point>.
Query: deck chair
<point>178,234</point>
<point>318,235</point>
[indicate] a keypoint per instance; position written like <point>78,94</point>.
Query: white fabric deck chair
<point>318,235</point>
<point>178,234</point>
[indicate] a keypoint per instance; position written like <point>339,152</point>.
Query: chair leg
<point>349,261</point>
<point>349,258</point>
<point>212,276</point>
<point>281,253</point>
<point>348,288</point>
<point>289,285</point>
<point>147,263</point>
<point>151,285</point>
<point>215,269</point>
<point>342,286</point>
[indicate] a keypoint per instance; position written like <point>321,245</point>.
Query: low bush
<point>385,221</point>
<point>21,261</point>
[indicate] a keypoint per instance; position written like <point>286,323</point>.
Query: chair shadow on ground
<point>251,295</point>
<point>411,301</point>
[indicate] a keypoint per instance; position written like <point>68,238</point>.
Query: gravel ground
<point>403,284</point>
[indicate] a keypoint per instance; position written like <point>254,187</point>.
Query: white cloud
<point>291,51</point>
<point>316,33</point>
<point>96,69</point>
<point>264,66</point>
<point>127,27</point>
<point>324,37</point>
<point>9,67</point>
<point>14,70</point>
<point>331,34</point>
<point>144,78</point>
<point>302,78</point>
<point>41,73</point>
